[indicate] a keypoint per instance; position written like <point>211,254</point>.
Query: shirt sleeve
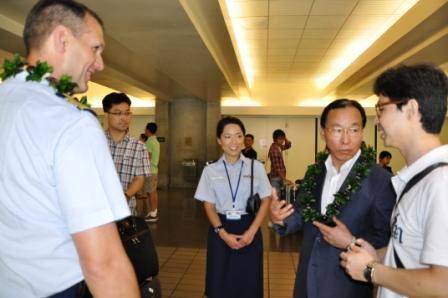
<point>204,192</point>
<point>87,183</point>
<point>142,167</point>
<point>264,188</point>
<point>435,219</point>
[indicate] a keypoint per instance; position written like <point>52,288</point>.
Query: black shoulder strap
<point>414,180</point>
<point>251,178</point>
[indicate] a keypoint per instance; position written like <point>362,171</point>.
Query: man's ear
<point>412,110</point>
<point>322,133</point>
<point>60,37</point>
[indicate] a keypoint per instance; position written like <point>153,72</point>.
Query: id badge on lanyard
<point>233,214</point>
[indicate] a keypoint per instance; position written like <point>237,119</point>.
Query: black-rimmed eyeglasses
<point>379,107</point>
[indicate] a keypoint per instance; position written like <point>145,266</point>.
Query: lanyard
<point>230,184</point>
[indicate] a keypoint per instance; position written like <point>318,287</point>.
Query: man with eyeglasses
<point>365,214</point>
<point>411,110</point>
<point>129,154</point>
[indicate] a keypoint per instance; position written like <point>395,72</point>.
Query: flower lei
<point>64,86</point>
<point>360,170</point>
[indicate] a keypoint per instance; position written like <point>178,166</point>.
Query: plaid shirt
<point>130,157</point>
<point>278,168</point>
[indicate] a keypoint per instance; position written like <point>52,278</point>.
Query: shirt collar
<point>435,155</point>
<point>126,138</point>
<point>242,159</point>
<point>346,167</point>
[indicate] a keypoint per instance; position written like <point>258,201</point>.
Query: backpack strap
<point>414,180</point>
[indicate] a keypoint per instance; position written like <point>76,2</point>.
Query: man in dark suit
<point>346,183</point>
<point>384,160</point>
<point>248,151</point>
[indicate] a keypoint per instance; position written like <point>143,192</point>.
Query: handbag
<point>150,288</point>
<point>254,201</point>
<point>137,242</point>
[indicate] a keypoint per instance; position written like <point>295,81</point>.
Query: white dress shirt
<point>334,179</point>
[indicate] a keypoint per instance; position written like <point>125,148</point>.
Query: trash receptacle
<point>190,170</point>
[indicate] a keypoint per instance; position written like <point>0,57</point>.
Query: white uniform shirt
<point>214,186</point>
<point>420,221</point>
<point>334,179</point>
<point>57,178</point>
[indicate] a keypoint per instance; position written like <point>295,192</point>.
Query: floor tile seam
<point>183,274</point>
<point>168,258</point>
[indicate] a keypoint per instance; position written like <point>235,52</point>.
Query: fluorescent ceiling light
<point>355,48</point>
<point>239,102</point>
<point>96,93</point>
<point>240,40</point>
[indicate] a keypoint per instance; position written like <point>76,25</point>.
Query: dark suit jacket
<point>249,153</point>
<point>367,216</point>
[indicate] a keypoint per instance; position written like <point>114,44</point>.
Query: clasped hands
<point>237,241</point>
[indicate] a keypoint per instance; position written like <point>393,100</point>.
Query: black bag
<point>150,288</point>
<point>254,201</point>
<point>137,241</point>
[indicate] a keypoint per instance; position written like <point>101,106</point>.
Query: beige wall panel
<point>444,132</point>
<point>300,130</point>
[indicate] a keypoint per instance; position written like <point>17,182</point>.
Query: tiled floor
<point>180,237</point>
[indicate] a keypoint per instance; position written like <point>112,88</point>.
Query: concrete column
<point>162,119</point>
<point>212,118</point>
<point>187,140</point>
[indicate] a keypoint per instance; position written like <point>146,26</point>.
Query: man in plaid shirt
<point>277,176</point>
<point>129,154</point>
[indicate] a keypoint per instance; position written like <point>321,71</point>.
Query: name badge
<point>233,214</point>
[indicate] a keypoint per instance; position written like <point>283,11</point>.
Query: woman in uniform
<point>235,246</point>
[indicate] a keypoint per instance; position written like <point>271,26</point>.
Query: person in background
<point>347,182</point>
<point>143,137</point>
<point>235,246</point>
<point>277,175</point>
<point>384,160</point>
<point>150,189</point>
<point>411,110</point>
<point>60,193</point>
<point>129,154</point>
<point>248,151</point>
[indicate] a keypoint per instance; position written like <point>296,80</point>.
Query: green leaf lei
<point>342,197</point>
<point>64,86</point>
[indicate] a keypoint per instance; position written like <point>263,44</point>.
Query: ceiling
<point>295,52</point>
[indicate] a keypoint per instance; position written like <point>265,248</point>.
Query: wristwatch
<point>216,230</point>
<point>369,271</point>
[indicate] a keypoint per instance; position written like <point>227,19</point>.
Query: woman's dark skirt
<point>234,273</point>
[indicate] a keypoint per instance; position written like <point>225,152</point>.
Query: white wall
<point>299,130</point>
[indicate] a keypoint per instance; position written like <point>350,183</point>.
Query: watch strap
<point>216,229</point>
<point>369,271</point>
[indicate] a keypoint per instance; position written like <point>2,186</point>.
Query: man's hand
<point>355,261</point>
<point>339,236</point>
<point>279,210</point>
